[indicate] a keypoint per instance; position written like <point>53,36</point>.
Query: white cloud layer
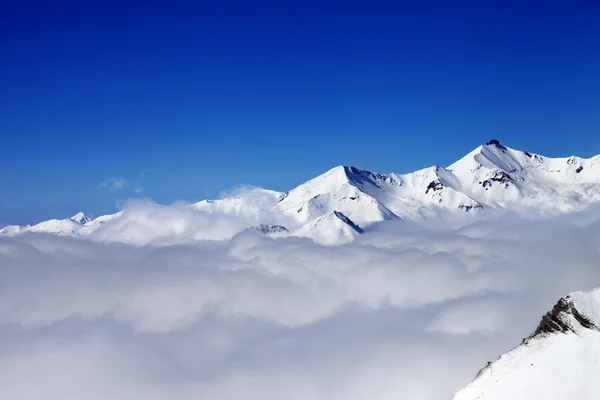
<point>149,308</point>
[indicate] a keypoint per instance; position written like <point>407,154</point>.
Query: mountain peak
<point>331,229</point>
<point>563,346</point>
<point>563,318</point>
<point>490,177</point>
<point>80,218</point>
<point>496,143</point>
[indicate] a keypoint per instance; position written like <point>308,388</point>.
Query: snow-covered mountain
<point>560,360</point>
<point>78,224</point>
<point>497,176</point>
<point>67,226</point>
<point>81,218</point>
<point>492,177</point>
<point>330,229</point>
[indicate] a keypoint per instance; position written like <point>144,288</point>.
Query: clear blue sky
<point>184,101</point>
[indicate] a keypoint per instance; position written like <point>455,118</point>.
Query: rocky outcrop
<point>561,318</point>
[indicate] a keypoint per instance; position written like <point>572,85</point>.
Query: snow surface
<point>492,177</point>
<point>549,366</point>
<point>489,179</point>
<point>331,229</point>
<point>81,218</point>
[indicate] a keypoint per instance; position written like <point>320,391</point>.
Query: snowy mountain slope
<point>69,226</point>
<point>501,177</point>
<point>335,190</point>
<point>491,177</point>
<point>79,224</point>
<point>251,203</point>
<point>424,193</point>
<point>368,197</point>
<point>80,218</point>
<point>560,360</point>
<point>331,229</point>
<point>97,223</point>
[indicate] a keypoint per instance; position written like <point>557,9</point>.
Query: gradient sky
<point>101,101</point>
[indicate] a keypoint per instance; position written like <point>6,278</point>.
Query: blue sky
<point>173,101</point>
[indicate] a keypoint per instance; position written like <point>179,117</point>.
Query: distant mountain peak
<point>80,218</point>
<point>492,177</point>
<point>494,142</point>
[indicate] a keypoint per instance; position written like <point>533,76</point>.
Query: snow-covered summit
<point>492,177</point>
<point>330,229</point>
<point>79,224</point>
<point>81,218</point>
<point>344,189</point>
<point>498,176</point>
<point>560,360</point>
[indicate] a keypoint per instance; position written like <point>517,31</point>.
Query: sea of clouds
<point>169,303</point>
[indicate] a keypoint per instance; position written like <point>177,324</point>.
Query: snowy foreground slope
<point>490,178</point>
<point>559,361</point>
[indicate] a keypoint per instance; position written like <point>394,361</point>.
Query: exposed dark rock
<point>528,154</point>
<point>434,186</point>
<point>348,221</point>
<point>468,208</point>
<point>266,229</point>
<point>499,176</point>
<point>556,321</point>
<point>282,197</point>
<point>579,169</point>
<point>482,370</point>
<point>584,321</point>
<point>496,143</point>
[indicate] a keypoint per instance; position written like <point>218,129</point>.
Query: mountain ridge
<point>555,362</point>
<point>493,176</point>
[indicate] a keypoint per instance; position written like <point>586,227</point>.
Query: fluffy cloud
<point>143,222</point>
<point>114,183</point>
<point>149,308</point>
